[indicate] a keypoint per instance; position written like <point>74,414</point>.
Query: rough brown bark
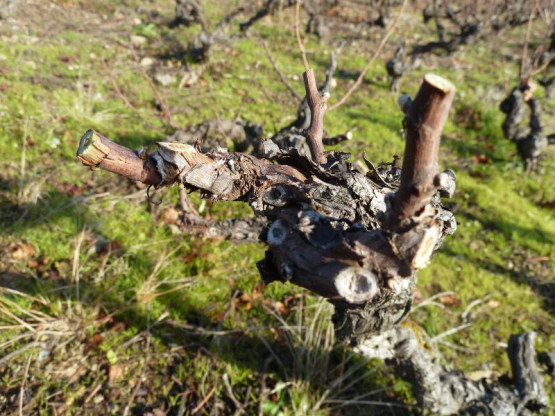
<point>317,105</point>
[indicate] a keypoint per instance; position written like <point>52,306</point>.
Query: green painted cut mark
<point>85,142</point>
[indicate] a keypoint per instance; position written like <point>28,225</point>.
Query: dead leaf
<point>68,59</point>
<point>283,310</point>
<point>110,248</point>
<point>115,372</point>
<point>257,292</point>
<point>38,264</point>
<point>481,159</point>
<point>70,189</point>
<point>244,302</point>
<point>156,412</point>
<point>417,295</point>
<point>94,341</point>
<point>494,303</point>
<point>52,274</point>
<point>170,216</point>
<point>118,326</point>
<point>449,300</point>
<point>21,250</point>
<point>277,334</point>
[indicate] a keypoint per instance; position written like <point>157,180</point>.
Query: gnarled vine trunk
<point>355,239</point>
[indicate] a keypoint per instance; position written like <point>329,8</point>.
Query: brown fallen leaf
<point>21,250</point>
<point>94,341</point>
<point>283,310</point>
<point>449,300</point>
<point>118,326</point>
<point>481,159</point>
<point>110,248</point>
<point>170,216</point>
<point>115,372</point>
<point>38,264</point>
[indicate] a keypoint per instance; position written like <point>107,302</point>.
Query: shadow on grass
<point>262,351</point>
<point>69,201</point>
<point>200,333</point>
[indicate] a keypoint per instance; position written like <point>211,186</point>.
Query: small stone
<point>188,78</point>
<point>147,61</point>
<point>165,79</point>
<point>137,40</point>
<point>43,355</point>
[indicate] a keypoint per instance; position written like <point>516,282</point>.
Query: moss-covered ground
<point>107,308</point>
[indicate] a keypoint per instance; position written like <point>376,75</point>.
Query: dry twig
<point>166,114</point>
<point>204,401</point>
<point>281,75</point>
<point>371,61</point>
<point>297,33</point>
<point>122,95</point>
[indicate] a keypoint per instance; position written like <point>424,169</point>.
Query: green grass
<point>176,311</point>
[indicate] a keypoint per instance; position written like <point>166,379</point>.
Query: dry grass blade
<point>166,114</point>
<point>450,332</point>
<point>281,75</point>
<point>149,289</point>
<point>522,74</point>
<point>144,366</point>
<point>23,382</point>
<point>204,401</point>
<point>298,35</point>
<point>431,301</point>
<point>75,272</point>
<point>122,95</point>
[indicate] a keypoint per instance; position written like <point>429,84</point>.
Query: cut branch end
<point>96,151</point>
